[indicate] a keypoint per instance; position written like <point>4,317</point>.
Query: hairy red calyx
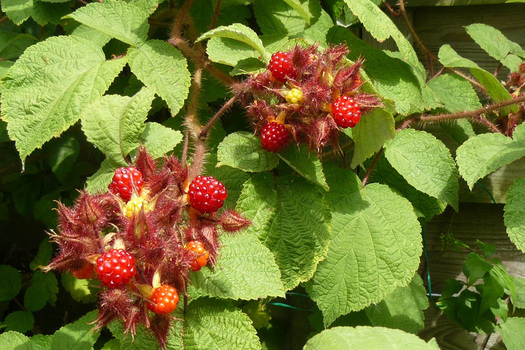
<point>321,78</point>
<point>153,230</point>
<point>516,86</point>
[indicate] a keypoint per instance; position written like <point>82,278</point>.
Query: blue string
<point>427,258</point>
<point>298,294</point>
<point>289,306</point>
<point>486,190</point>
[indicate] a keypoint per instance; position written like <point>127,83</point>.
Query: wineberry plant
<point>177,174</point>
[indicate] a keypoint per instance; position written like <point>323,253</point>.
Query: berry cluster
<point>143,238</point>
<point>312,94</point>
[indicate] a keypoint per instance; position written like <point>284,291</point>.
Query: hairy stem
<point>204,132</point>
<point>177,25</point>
<point>470,114</point>
<point>372,166</point>
<point>216,14</point>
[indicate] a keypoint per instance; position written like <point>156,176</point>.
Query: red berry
<point>281,66</point>
<point>164,300</point>
<point>201,255</point>
<point>115,268</point>
<point>125,181</point>
<point>274,136</point>
<point>85,272</point>
<point>346,112</point>
<point>206,194</point>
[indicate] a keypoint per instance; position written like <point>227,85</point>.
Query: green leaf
<point>455,93</point>
<point>245,270</point>
<point>113,344</point>
<point>214,324</point>
<point>143,339</point>
<point>80,289</point>
<point>370,134</point>
<point>91,34</point>
<point>278,17</point>
<point>99,181</point>
<point>402,309</point>
<point>163,68</point>
<point>397,83</point>
<point>364,337</point>
<point>290,216</point>
<point>118,19</point>
<point>475,267</point>
<point>424,205</point>
<point>10,282</point>
<point>515,214</point>
<point>13,44</point>
<point>159,139</point>
<point>115,123</point>
<point>493,42</point>
<point>426,163</point>
<point>20,321</point>
<point>297,6</point>
<point>230,51</point>
<point>43,256</point>
<point>519,299</point>
<point>15,340</point>
<point>482,154</point>
<point>50,85</point>
<point>64,154</point>
<point>512,333</point>
<point>41,342</point>
<point>78,335</point>
<point>49,282</point>
<point>20,10</point>
<point>450,58</point>
<point>306,163</point>
<point>316,32</point>
<point>239,32</point>
<point>381,27</point>
<point>375,246</point>
<point>242,150</point>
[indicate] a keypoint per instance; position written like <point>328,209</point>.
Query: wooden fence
<point>441,22</point>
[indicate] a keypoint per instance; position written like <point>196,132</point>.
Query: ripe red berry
<point>125,181</point>
<point>281,66</point>
<point>274,136</point>
<point>346,112</point>
<point>115,268</point>
<point>164,300</point>
<point>201,255</point>
<point>206,194</point>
